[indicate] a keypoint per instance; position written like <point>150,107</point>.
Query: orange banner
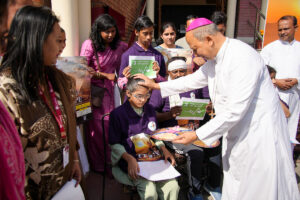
<point>277,9</point>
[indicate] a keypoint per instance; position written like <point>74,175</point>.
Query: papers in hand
<point>157,170</point>
<point>69,192</point>
<point>142,65</point>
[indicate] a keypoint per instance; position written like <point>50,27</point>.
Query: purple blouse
<point>109,61</point>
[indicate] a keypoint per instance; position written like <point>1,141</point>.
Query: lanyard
<point>57,114</point>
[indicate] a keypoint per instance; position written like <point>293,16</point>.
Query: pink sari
<point>12,173</point>
<point>109,61</point>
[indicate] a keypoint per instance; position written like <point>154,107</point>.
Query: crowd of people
<point>255,117</point>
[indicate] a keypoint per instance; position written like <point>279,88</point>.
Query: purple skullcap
<point>198,22</point>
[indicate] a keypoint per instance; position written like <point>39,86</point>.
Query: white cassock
<point>284,57</point>
<point>256,152</point>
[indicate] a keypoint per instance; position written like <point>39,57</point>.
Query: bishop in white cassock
<point>284,56</point>
<point>256,155</point>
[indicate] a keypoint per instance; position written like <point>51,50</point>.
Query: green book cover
<point>193,109</point>
<point>142,65</point>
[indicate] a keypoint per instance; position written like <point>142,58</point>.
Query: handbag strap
<point>97,58</point>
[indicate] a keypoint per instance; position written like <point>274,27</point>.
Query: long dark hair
<point>165,25</point>
<point>103,23</point>
<point>29,30</point>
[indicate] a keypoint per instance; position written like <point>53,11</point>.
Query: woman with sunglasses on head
<point>40,99</point>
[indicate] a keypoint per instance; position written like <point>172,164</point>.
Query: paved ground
<point>115,191</point>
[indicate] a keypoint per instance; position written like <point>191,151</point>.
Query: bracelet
<point>75,160</point>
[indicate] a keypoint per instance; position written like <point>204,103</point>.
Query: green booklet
<point>142,65</point>
<point>193,109</point>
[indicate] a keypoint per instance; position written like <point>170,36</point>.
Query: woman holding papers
<point>103,51</point>
<point>40,99</point>
<point>130,127</point>
<point>143,29</point>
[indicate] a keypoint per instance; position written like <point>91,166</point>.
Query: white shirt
<point>284,57</point>
<point>256,153</point>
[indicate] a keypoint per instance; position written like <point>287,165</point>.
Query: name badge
<point>66,155</point>
<point>152,126</point>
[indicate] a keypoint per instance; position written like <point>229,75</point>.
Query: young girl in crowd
<point>40,99</point>
<point>103,51</point>
<point>167,38</point>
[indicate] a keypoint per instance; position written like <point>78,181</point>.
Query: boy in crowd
<point>166,111</point>
<point>136,118</point>
<point>143,29</point>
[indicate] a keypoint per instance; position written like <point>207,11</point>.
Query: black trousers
<point>203,165</point>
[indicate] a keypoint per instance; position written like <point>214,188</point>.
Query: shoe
<point>214,192</point>
<point>197,197</point>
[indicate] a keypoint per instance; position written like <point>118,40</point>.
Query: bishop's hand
<point>186,138</point>
<point>148,82</point>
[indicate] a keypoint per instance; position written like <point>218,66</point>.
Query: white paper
<point>294,141</point>
<point>157,170</point>
<point>69,192</point>
<point>82,153</point>
<point>66,155</point>
<point>141,58</point>
<point>117,96</point>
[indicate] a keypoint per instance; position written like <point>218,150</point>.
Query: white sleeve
<point>245,74</point>
<point>265,55</point>
<point>190,82</point>
<point>298,84</point>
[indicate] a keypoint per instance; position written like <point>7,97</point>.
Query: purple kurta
<point>125,122</point>
<point>109,61</point>
<point>136,50</point>
<point>163,105</point>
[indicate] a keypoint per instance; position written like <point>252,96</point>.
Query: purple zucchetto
<point>198,22</point>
